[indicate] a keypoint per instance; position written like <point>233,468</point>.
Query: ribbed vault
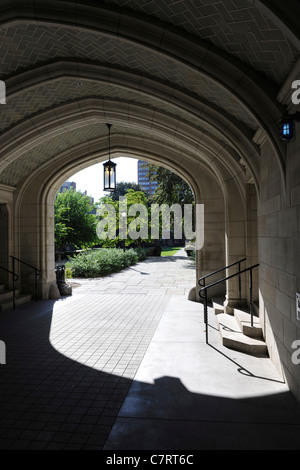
<point>211,71</point>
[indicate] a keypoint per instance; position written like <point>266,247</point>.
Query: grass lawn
<point>169,250</point>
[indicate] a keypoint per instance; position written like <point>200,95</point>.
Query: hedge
<point>98,263</point>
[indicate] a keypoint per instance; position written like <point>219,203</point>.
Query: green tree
<point>122,188</point>
<point>134,222</point>
<point>74,223</point>
<point>171,188</point>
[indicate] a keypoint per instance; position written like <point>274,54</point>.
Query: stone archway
<point>37,197</point>
<point>179,90</point>
<point>4,244</point>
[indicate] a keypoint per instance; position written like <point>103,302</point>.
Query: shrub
<point>98,263</point>
<point>142,253</point>
<point>68,273</point>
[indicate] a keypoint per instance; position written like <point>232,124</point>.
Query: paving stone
<point>69,367</point>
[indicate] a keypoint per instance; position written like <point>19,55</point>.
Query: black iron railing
<point>203,293</point>
<point>37,272</point>
<point>202,280</point>
<point>15,277</point>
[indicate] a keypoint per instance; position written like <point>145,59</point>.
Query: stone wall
<point>279,258</point>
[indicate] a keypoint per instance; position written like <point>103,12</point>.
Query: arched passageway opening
<point>216,169</point>
<point>209,194</point>
<point>178,93</point>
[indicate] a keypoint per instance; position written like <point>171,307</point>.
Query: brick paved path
<point>122,364</point>
<point>70,363</point>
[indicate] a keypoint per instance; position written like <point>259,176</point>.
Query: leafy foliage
<point>74,223</point>
<point>122,188</point>
<point>171,188</point>
<point>134,222</point>
<point>101,262</point>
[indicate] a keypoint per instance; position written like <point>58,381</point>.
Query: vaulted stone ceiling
<point>235,26</point>
<point>201,64</point>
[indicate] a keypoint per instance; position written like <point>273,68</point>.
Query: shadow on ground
<point>216,423</point>
<point>51,402</point>
<point>173,259</point>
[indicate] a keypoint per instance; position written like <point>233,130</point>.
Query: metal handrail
<point>203,278</point>
<point>204,296</point>
<point>37,272</point>
<point>15,278</point>
<point>219,270</point>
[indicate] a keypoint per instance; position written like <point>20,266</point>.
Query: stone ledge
<point>233,338</point>
<point>243,319</point>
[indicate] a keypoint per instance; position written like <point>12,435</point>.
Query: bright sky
<point>91,179</point>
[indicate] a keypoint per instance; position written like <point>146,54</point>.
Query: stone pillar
<point>35,242</point>
<point>252,237</point>
<point>211,256</point>
<point>235,233</point>
<point>4,255</point>
<point>6,232</point>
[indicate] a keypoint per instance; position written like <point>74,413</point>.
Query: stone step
<point>218,304</point>
<point>7,295</point>
<point>244,321</point>
<point>7,304</point>
<point>233,338</point>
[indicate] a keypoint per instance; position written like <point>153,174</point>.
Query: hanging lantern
<point>109,169</point>
<point>109,176</point>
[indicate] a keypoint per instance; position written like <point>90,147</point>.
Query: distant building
<point>71,184</point>
<point>92,201</point>
<point>143,180</point>
<point>67,185</point>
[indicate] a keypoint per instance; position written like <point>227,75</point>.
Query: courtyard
<point>122,364</point>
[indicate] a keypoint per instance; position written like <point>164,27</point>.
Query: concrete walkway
<point>122,364</point>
